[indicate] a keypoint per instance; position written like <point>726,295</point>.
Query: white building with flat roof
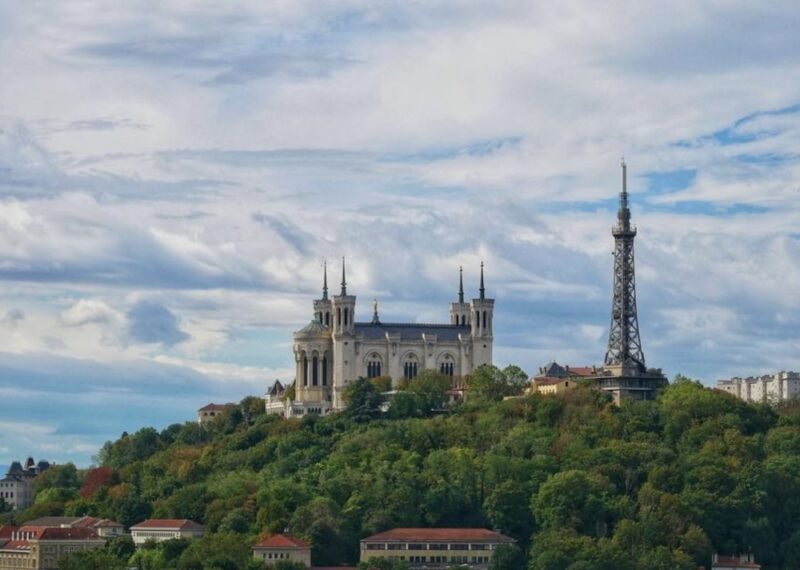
<point>770,388</point>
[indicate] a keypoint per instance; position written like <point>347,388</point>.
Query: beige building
<point>210,412</point>
<point>435,547</point>
<point>334,348</point>
<point>621,382</point>
<point>40,548</point>
<point>282,547</point>
<point>105,528</point>
<point>16,488</point>
<point>552,385</point>
<point>770,388</point>
<point>160,530</point>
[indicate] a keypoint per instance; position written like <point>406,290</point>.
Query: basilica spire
<point>624,342</point>
<point>482,289</point>
<point>325,280</point>
<point>344,279</point>
<point>460,284</point>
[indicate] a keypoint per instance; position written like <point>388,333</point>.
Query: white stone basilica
<point>334,349</point>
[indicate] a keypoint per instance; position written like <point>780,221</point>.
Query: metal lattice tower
<point>624,343</point>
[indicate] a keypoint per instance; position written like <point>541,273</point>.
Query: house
<point>105,528</point>
<point>16,488</point>
<point>435,547</point>
<point>282,547</point>
<point>741,562</point>
<point>274,399</point>
<point>548,385</point>
<point>209,412</point>
<point>42,547</point>
<point>160,530</point>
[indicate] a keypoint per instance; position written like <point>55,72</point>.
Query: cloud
<point>151,322</point>
<point>169,195</point>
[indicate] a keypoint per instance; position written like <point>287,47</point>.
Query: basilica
<point>334,348</point>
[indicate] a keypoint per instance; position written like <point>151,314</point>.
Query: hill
<point>579,482</point>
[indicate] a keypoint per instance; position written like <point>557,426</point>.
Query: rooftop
<point>215,407</point>
<point>282,541</point>
<point>411,331</point>
<point>168,524</point>
<point>439,535</point>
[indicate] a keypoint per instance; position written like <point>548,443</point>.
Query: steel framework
<point>624,343</point>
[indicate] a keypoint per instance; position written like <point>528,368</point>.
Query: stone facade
<point>334,349</point>
<point>159,530</point>
<point>770,388</point>
<point>16,488</point>
<point>283,548</point>
<point>42,547</point>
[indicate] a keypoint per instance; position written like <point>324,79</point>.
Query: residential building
<point>644,385</point>
<point>165,529</point>
<point>435,547</point>
<point>105,528</point>
<point>282,547</point>
<point>770,388</point>
<point>40,548</point>
<point>16,488</point>
<point>209,412</point>
<point>741,562</point>
<point>334,349</point>
<point>548,385</point>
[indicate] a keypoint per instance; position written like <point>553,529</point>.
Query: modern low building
<point>283,548</point>
<point>210,412</point>
<point>621,383</point>
<point>40,548</point>
<point>160,530</point>
<point>435,547</point>
<point>105,528</point>
<point>16,488</point>
<point>769,388</point>
<point>741,562</point>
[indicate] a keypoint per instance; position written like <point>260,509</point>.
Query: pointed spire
<point>482,289</point>
<point>375,318</point>
<point>344,279</point>
<point>325,280</point>
<point>460,284</point>
<point>624,213</point>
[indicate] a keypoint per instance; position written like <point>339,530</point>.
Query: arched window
<point>463,319</point>
<point>327,318</point>
<point>345,316</point>
<point>374,365</point>
<point>305,370</point>
<point>410,366</point>
<point>484,319</point>
<point>315,371</point>
<point>325,370</point>
<point>447,365</point>
<point>339,316</point>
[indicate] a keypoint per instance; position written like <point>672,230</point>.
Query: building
<point>282,547</point>
<point>274,399</point>
<point>741,562</point>
<point>209,412</point>
<point>334,349</point>
<point>435,547</point>
<point>770,388</point>
<point>549,385</point>
<point>105,528</point>
<point>42,547</point>
<point>160,530</point>
<point>16,488</point>
<point>623,373</point>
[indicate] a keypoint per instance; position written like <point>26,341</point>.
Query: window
<point>447,366</point>
<point>305,370</point>
<point>325,370</point>
<point>315,371</point>
<point>374,366</point>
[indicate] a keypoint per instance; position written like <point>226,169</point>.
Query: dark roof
<point>277,389</point>
<point>439,534</point>
<point>734,562</point>
<point>411,331</point>
<point>215,407</point>
<point>282,541</point>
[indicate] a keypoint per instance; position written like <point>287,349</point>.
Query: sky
<point>174,173</point>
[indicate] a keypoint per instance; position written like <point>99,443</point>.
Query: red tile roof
<point>548,381</point>
<point>439,535</point>
<point>282,541</point>
<point>581,371</point>
<point>5,531</point>
<point>168,524</point>
<point>16,545</point>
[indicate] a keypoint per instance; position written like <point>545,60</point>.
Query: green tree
<point>363,401</point>
<point>507,557</point>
